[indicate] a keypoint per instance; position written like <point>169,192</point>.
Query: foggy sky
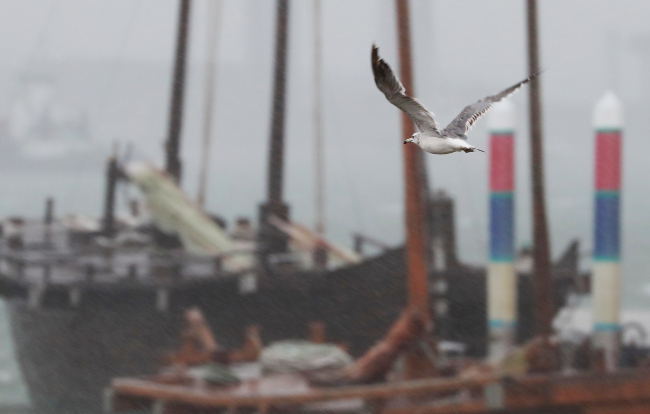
<point>477,41</point>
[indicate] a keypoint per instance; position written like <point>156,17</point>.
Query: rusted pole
<point>414,211</point>
<point>416,240</point>
<point>172,146</point>
<point>271,239</point>
<point>112,175</point>
<point>543,277</point>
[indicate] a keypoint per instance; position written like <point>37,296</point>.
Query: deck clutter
<point>526,380</point>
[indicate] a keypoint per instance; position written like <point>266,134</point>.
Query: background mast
<point>173,162</point>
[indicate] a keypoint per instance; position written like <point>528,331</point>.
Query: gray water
<point>13,392</point>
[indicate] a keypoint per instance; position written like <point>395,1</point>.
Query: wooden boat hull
<point>69,355</point>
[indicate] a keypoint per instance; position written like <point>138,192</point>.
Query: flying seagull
<point>429,137</point>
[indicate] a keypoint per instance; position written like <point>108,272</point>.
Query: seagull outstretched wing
<point>468,116</point>
<point>388,83</point>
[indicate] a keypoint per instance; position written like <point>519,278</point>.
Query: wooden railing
<point>109,265</point>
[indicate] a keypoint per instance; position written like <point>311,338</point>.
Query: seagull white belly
<point>435,145</point>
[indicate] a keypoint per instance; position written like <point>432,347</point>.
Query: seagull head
<point>415,138</point>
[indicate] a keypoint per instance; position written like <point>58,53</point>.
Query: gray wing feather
<point>388,83</point>
<point>464,122</point>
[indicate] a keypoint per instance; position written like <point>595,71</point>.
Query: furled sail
<point>174,213</point>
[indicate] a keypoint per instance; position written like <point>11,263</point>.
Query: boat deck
<point>41,263</point>
<point>49,254</point>
<point>622,392</point>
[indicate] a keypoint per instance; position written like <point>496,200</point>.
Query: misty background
<point>109,64</point>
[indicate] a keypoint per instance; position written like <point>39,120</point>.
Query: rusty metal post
<point>172,146</point>
<point>112,173</point>
<point>414,211</point>
<point>541,252</point>
<point>271,239</point>
<point>416,240</point>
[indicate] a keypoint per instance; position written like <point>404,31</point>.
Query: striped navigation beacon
<point>606,291</point>
<point>502,278</point>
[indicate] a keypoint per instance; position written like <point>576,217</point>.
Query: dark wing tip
<point>374,57</point>
<point>379,68</point>
<point>385,79</point>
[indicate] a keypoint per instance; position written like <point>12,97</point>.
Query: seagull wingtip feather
<point>375,55</point>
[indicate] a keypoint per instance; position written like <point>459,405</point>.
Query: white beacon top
<point>608,113</point>
<point>502,116</point>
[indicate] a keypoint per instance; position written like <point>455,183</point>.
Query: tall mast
<point>416,240</point>
<point>214,14</point>
<point>543,278</point>
<point>271,239</point>
<point>173,162</point>
<point>318,122</point>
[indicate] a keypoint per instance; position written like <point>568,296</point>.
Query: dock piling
<point>502,277</point>
<point>606,282</point>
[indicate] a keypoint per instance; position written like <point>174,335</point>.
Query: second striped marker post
<point>606,275</point>
<point>502,278</point>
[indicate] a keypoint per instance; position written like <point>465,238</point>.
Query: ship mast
<point>271,239</point>
<point>415,198</point>
<point>214,13</point>
<point>543,278</point>
<point>173,162</point>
